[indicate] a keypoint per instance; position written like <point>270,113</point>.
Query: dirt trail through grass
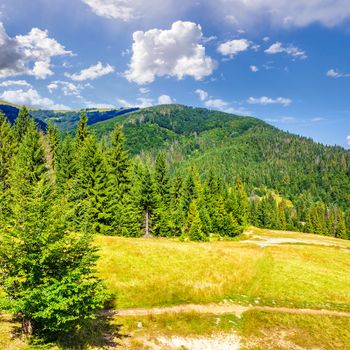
<point>227,309</point>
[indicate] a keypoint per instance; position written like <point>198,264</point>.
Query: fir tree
<point>22,123</point>
<point>194,228</point>
<point>82,131</point>
<point>7,150</point>
<point>119,162</point>
<point>93,191</point>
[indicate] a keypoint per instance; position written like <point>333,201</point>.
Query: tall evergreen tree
<point>46,270</point>
<point>7,151</point>
<point>82,131</point>
<point>93,191</point>
<point>22,123</point>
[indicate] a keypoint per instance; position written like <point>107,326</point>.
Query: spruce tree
<point>119,162</point>
<point>22,123</point>
<point>52,139</point>
<point>194,227</point>
<point>46,269</point>
<point>93,190</point>
<point>7,151</point>
<point>82,131</point>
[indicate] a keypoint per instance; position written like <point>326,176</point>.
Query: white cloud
<point>142,102</point>
<point>31,98</point>
<point>282,13</point>
<point>348,140</point>
<point>333,73</point>
<point>317,119</point>
<point>144,91</point>
<point>8,83</point>
<point>203,95</point>
<point>118,9</point>
<point>90,104</point>
<point>28,54</point>
<point>233,47</point>
<point>267,101</point>
<point>91,73</point>
<point>67,88</point>
<point>128,10</point>
<point>254,69</point>
<point>240,13</point>
<point>216,103</point>
<point>165,100</point>
<point>291,50</point>
<point>176,52</point>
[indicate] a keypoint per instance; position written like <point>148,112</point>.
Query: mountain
<point>66,120</point>
<point>11,111</point>
<point>263,156</point>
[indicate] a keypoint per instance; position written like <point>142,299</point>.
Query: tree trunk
<point>147,234</point>
<point>27,326</point>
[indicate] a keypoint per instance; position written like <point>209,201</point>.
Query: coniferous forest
<point>59,189</point>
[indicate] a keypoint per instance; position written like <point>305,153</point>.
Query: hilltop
<point>264,157</point>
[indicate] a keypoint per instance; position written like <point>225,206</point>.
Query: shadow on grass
<point>100,333</point>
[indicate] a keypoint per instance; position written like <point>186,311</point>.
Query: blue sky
<point>282,61</point>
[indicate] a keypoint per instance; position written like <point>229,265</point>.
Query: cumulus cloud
<point>176,52</point>
<point>91,73</point>
<point>268,101</point>
<point>67,88</point>
<point>333,73</point>
<point>118,9</point>
<point>216,103</point>
<point>254,69</point>
<point>165,100</point>
<point>91,104</point>
<point>28,54</point>
<point>233,47</point>
<point>348,140</point>
<point>128,10</point>
<point>282,13</point>
<point>31,98</point>
<point>291,50</point>
<point>144,91</point>
<point>203,95</point>
<point>141,102</point>
<point>8,83</point>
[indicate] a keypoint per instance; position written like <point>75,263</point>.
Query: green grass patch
<point>163,272</point>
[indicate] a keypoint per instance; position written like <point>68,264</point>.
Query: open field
<point>246,295</point>
<point>161,272</point>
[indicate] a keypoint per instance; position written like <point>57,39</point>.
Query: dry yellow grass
<point>160,272</point>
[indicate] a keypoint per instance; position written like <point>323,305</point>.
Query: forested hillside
<point>214,169</point>
<point>264,157</point>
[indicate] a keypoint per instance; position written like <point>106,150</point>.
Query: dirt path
<point>226,309</point>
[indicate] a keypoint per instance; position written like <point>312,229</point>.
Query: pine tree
<point>194,228</point>
<point>241,211</point>
<point>93,191</point>
<point>119,162</point>
<point>7,151</point>
<point>22,123</point>
<point>66,163</point>
<point>82,129</point>
<point>53,139</point>
<point>161,178</point>
<point>46,269</point>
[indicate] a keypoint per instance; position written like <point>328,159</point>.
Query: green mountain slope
<point>66,120</point>
<point>263,156</point>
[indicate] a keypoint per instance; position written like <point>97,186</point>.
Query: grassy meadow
<point>162,272</point>
<point>146,273</point>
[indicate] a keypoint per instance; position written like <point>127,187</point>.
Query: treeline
<point>112,194</point>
